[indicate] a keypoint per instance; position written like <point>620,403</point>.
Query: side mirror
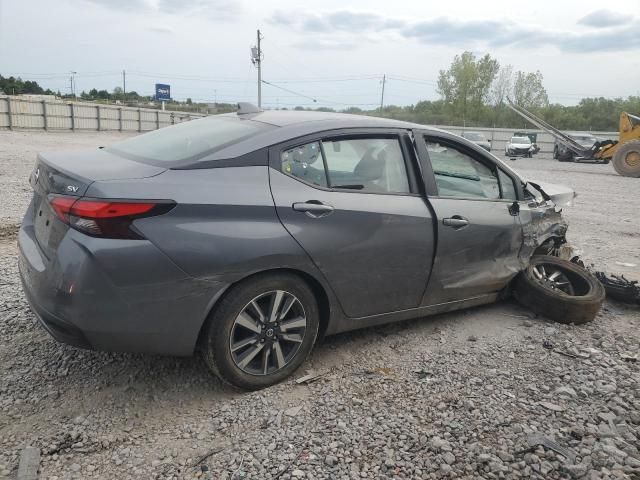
<point>514,209</point>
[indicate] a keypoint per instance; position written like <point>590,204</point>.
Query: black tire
<point>580,306</point>
<point>626,160</point>
<point>555,153</point>
<point>219,329</point>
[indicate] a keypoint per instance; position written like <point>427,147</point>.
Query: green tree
<point>465,85</point>
<point>528,90</point>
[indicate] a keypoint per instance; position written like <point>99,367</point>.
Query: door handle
<point>456,222</point>
<point>313,208</point>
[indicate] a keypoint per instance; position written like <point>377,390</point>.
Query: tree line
<point>474,92</point>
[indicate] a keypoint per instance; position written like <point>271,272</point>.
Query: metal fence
<point>16,112</point>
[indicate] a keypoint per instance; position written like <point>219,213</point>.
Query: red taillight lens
<point>62,206</point>
<point>101,209</point>
<point>105,218</point>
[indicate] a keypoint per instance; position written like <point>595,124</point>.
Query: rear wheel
<point>261,331</point>
<point>559,290</point>
<point>626,160</point>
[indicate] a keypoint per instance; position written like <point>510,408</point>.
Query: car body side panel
<point>478,259</point>
<point>154,295</point>
<point>375,250</point>
<point>123,295</point>
<point>224,225</point>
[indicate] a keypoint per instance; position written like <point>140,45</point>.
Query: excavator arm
<point>625,152</point>
<point>565,140</point>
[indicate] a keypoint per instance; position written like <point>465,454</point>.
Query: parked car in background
<point>563,154</point>
<point>248,236</point>
<point>533,137</point>
<point>519,147</point>
<point>479,139</point>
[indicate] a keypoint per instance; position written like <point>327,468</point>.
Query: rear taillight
<point>106,218</point>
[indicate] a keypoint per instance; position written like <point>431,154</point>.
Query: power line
<point>289,91</point>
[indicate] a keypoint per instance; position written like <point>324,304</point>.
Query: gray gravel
<point>452,396</point>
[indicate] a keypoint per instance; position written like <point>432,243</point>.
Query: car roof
<point>283,118</point>
<point>291,124</point>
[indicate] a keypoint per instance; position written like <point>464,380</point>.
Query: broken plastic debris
<point>626,264</point>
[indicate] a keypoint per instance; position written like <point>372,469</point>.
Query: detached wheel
<point>559,290</point>
<point>626,160</point>
<point>261,331</point>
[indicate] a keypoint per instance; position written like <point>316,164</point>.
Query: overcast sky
<point>331,50</point>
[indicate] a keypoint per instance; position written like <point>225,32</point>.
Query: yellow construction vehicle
<point>624,153</point>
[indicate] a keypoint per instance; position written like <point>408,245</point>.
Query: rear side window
<point>305,162</point>
<point>372,165</point>
<point>459,175</point>
<point>188,140</point>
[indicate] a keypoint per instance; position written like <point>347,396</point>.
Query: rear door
<point>351,200</point>
<point>479,235</point>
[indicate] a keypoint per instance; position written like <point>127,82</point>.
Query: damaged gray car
<point>248,236</point>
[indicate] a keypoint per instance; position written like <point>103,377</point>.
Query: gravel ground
<point>451,396</point>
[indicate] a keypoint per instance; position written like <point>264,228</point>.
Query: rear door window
<point>305,162</point>
<point>367,164</point>
<point>370,165</point>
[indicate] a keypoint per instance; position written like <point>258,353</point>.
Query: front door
<point>350,202</point>
<point>478,230</point>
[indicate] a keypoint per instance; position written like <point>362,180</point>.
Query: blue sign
<point>163,92</point>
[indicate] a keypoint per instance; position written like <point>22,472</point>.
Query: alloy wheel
<point>552,277</point>
<point>267,333</point>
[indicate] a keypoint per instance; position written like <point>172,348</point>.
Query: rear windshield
<point>478,137</point>
<point>188,140</point>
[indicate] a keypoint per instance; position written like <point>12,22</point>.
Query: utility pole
<point>73,87</point>
<point>256,59</point>
<point>384,80</point>
<point>124,86</point>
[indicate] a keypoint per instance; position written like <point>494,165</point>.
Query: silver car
<point>479,139</point>
<point>248,236</point>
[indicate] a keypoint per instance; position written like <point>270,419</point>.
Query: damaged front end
<point>543,227</point>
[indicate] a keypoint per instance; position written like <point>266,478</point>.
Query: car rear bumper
<point>114,295</point>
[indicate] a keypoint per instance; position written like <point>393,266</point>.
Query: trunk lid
<point>71,174</point>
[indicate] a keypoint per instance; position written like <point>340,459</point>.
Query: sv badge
<point>72,188</point>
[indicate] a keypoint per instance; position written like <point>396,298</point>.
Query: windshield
<point>476,137</point>
<point>188,140</point>
<point>524,140</point>
<point>584,139</point>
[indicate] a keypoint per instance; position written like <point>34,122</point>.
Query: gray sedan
<point>248,236</point>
